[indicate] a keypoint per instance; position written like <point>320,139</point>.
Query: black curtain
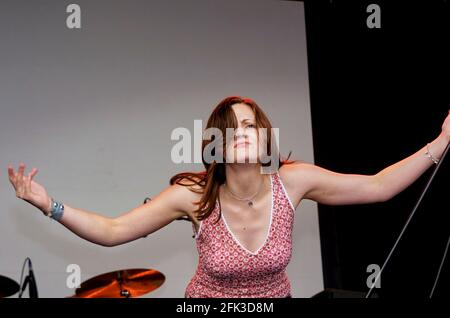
<point>378,96</point>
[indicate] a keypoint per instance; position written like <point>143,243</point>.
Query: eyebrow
<point>246,119</point>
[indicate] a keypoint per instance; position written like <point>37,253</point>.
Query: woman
<point>242,217</point>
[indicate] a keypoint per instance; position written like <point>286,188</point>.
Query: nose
<point>240,132</point>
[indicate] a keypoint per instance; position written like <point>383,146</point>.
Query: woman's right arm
<point>172,203</point>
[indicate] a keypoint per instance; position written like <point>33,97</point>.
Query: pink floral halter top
<point>227,269</point>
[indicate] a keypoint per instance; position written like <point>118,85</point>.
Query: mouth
<point>241,144</point>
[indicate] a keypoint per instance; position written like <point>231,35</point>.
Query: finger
<point>33,173</point>
<point>20,171</point>
<point>29,177</point>
<point>21,181</point>
<point>12,176</point>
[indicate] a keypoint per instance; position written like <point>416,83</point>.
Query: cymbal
<point>8,287</point>
<point>121,284</point>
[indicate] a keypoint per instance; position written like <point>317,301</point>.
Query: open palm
<point>28,189</point>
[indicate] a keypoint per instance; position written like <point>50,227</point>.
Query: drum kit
<point>126,283</point>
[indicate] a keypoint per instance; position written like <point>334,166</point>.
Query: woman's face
<point>244,147</point>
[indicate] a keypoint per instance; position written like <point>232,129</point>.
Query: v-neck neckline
<point>235,239</point>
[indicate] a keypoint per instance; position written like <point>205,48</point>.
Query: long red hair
<point>214,176</point>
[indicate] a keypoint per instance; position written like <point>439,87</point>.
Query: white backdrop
<point>93,110</point>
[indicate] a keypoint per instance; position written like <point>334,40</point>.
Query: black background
<point>378,96</point>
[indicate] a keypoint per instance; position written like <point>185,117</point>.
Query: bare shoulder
<point>295,178</point>
<point>290,173</point>
<point>186,194</point>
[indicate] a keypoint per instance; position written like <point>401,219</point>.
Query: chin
<point>243,157</point>
<point>246,159</point>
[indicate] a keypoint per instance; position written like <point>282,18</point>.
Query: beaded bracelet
<point>57,210</point>
<point>429,155</point>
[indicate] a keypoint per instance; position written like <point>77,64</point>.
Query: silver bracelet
<point>57,210</point>
<point>429,155</point>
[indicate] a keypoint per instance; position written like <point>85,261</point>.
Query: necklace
<point>249,200</point>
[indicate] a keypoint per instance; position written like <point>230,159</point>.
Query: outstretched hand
<point>29,190</point>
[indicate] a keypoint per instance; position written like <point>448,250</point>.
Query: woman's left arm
<point>400,175</point>
<point>328,187</point>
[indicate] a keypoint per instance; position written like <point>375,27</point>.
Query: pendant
<point>250,203</point>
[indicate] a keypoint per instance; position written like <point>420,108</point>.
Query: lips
<point>241,144</point>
